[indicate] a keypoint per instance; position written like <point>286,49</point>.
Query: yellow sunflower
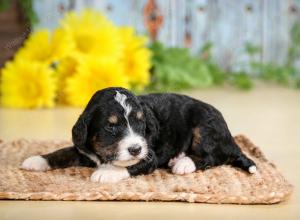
<point>92,34</point>
<point>45,47</point>
<point>65,68</point>
<point>136,58</point>
<point>27,84</point>
<point>93,74</point>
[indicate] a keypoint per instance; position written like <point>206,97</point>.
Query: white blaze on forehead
<point>121,99</point>
<point>131,138</point>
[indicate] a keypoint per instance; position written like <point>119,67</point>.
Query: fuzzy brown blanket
<point>222,184</point>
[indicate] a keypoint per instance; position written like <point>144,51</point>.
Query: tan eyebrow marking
<point>113,119</point>
<point>139,115</point>
<point>196,138</point>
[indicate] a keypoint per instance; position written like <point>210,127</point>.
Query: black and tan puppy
<point>124,135</point>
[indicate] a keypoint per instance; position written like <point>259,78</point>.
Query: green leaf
<point>4,5</point>
<point>176,69</point>
<point>27,8</point>
<point>242,81</point>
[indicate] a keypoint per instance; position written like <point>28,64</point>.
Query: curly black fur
<point>172,124</point>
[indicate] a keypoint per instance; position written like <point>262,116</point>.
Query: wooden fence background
<point>228,24</point>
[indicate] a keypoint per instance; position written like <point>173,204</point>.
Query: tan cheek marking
<point>95,143</point>
<point>104,151</point>
<point>196,137</point>
<point>139,115</point>
<point>113,119</point>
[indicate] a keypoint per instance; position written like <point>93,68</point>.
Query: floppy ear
<point>80,129</point>
<point>79,132</point>
<point>79,137</point>
<point>152,125</point>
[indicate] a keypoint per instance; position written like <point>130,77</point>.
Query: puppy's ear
<point>79,132</point>
<point>152,125</point>
<point>80,129</point>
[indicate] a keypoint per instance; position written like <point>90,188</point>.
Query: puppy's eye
<point>111,128</point>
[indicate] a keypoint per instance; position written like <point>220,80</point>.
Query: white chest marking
<point>92,157</point>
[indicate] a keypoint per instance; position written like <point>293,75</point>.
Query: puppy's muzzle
<point>135,150</point>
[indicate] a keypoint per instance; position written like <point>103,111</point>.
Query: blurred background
<point>242,56</point>
<point>191,44</point>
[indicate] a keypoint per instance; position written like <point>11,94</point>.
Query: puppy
<point>124,135</point>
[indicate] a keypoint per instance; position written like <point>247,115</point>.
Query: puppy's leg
<point>203,163</point>
<point>145,166</point>
<point>108,173</point>
<point>213,143</point>
<point>244,163</point>
<point>225,154</point>
<point>62,158</point>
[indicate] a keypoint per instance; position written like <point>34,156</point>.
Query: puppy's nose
<point>135,150</point>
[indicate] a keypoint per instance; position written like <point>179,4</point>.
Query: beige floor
<point>270,116</point>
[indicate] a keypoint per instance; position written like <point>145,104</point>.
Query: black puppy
<point>125,135</point>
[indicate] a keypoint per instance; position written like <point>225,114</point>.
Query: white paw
<point>174,160</point>
<point>252,169</point>
<point>109,174</point>
<point>183,166</point>
<point>36,163</point>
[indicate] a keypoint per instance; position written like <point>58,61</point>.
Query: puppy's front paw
<point>36,163</point>
<point>183,166</point>
<point>174,160</point>
<point>109,174</point>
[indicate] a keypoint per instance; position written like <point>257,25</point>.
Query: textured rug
<point>222,184</point>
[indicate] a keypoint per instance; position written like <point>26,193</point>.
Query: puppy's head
<point>114,126</point>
